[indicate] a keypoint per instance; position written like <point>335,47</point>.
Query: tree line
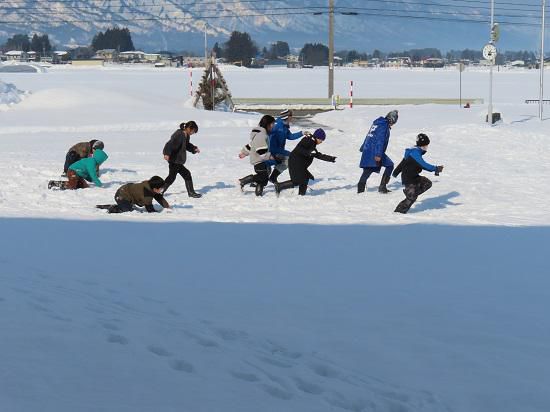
<point>116,38</point>
<point>241,48</point>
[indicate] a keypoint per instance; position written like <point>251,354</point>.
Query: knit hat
<point>156,182</point>
<point>319,134</point>
<point>422,140</point>
<point>98,144</point>
<point>285,114</point>
<point>392,117</point>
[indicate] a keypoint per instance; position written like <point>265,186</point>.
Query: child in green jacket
<point>81,172</point>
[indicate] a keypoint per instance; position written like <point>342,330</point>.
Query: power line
<point>316,9</point>
<point>218,16</point>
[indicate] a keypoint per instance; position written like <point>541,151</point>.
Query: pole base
<point>496,118</point>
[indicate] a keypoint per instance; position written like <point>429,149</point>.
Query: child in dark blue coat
<point>373,150</point>
<point>410,168</point>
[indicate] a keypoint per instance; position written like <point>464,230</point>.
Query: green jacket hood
<point>100,156</point>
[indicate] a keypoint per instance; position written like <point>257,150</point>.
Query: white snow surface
<point>328,302</point>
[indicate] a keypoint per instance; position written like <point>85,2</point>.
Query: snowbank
<point>9,94</point>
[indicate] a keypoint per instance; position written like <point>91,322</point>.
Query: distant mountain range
<point>363,25</point>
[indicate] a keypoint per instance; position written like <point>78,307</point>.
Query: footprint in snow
<point>277,392</point>
<point>308,387</point>
<point>113,338</point>
<point>324,370</point>
<point>158,350</point>
<point>245,376</point>
<point>182,366</point>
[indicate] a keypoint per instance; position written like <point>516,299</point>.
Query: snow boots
<point>382,188</point>
<point>361,186</point>
<point>274,175</point>
<point>259,190</point>
<point>283,186</point>
<point>190,190</point>
<point>60,184</point>
<point>246,181</point>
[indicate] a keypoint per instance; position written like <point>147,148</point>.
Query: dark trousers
<point>122,205</point>
<point>367,171</point>
<point>412,191</point>
<point>72,157</point>
<point>262,173</point>
<point>173,170</point>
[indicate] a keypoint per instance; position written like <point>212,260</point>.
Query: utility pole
<point>205,45</point>
<point>330,49</point>
<point>490,109</point>
<point>541,92</point>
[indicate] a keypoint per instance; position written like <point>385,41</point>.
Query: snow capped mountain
<point>361,25</point>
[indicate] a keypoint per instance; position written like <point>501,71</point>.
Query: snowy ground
<point>343,307</point>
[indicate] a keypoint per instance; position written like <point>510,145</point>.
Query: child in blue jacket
<point>373,150</point>
<point>410,168</point>
<point>277,140</point>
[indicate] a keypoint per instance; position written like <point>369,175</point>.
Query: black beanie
<point>156,182</point>
<point>422,140</point>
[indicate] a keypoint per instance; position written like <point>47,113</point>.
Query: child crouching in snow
<point>410,168</point>
<point>81,172</point>
<point>301,158</point>
<point>138,194</point>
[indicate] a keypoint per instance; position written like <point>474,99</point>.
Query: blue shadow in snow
<point>438,202</point>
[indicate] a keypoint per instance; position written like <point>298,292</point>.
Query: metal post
<point>213,85</point>
<point>205,45</point>
<point>490,109</point>
<point>460,98</point>
<point>541,95</point>
<point>331,49</point>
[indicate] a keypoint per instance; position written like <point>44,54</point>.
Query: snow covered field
<point>237,303</point>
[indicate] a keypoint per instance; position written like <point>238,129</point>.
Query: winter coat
<point>141,194</point>
<point>375,144</point>
<point>301,158</point>
<point>83,149</point>
<point>178,146</point>
<point>278,137</point>
<point>87,168</point>
<point>411,165</point>
<point>258,148</point>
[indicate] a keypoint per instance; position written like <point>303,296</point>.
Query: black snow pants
<point>173,170</point>
<point>262,173</point>
<point>72,157</point>
<point>122,205</point>
<point>412,191</point>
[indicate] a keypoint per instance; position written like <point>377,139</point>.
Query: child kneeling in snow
<point>301,158</point>
<point>410,168</point>
<point>81,172</point>
<point>138,194</point>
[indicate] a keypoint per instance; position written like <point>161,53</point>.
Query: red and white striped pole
<point>351,94</point>
<point>190,82</point>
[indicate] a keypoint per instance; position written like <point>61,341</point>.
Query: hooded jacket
<point>278,137</point>
<point>375,143</point>
<point>87,168</point>
<point>177,147</point>
<point>411,165</point>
